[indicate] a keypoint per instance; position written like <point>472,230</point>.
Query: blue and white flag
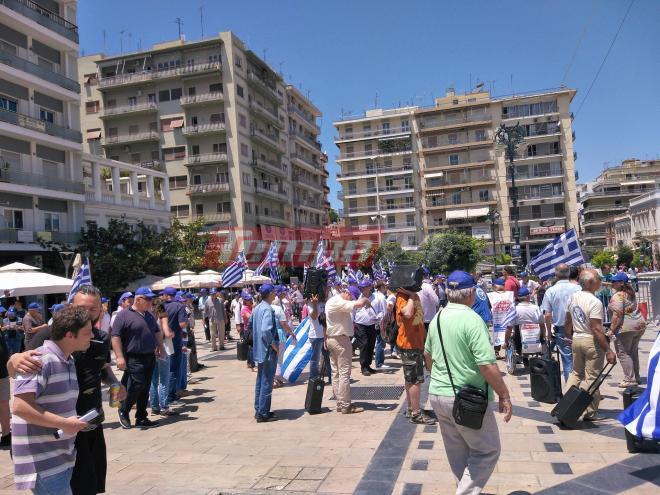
<point>297,356</point>
<point>359,275</point>
<point>262,266</point>
<point>564,249</point>
<point>83,277</point>
<point>234,272</point>
<point>350,273</point>
<point>325,262</point>
<point>642,417</point>
<point>273,261</point>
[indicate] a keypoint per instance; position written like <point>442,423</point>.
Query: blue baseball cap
<point>34,305</point>
<point>144,292</point>
<point>56,307</point>
<point>246,296</point>
<point>3,309</point>
<point>499,281</point>
<point>266,289</point>
<point>204,291</point>
<point>168,291</point>
<point>523,292</point>
<point>213,291</point>
<point>459,279</point>
<point>105,300</point>
<point>354,292</point>
<point>11,311</point>
<point>365,282</point>
<point>190,295</point>
<point>619,277</point>
<point>524,274</point>
<point>125,295</point>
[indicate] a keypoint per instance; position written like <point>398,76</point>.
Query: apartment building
<point>610,196</point>
<point>239,145</point>
<point>416,171</point>
<point>41,183</point>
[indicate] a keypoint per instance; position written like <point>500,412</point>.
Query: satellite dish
<point>546,223</point>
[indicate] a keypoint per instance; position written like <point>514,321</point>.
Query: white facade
<point>645,218</point>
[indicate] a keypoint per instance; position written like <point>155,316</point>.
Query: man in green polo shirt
<point>472,454</point>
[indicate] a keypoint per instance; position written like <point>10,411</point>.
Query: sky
<point>356,55</point>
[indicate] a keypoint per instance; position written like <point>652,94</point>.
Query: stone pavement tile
<point>435,476</point>
<point>304,485</point>
<point>592,447</point>
<point>528,467</point>
<point>268,483</point>
<point>311,473</point>
<point>356,458</point>
<point>289,472</point>
<point>508,479</point>
<point>341,480</point>
<point>645,489</point>
<point>254,469</point>
<point>439,465</point>
<point>515,455</point>
<point>593,457</point>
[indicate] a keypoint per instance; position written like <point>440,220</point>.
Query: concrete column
<point>96,181</point>
<point>134,189</point>
<point>165,187</point>
<point>116,184</point>
<point>150,191</point>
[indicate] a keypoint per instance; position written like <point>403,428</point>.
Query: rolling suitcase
<point>314,397</point>
<point>242,350</point>
<point>575,401</point>
<point>545,378</point>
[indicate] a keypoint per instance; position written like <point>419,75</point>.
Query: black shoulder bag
<point>470,403</point>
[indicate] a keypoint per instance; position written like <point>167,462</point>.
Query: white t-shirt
<point>583,307</point>
<point>316,331</point>
<point>532,285</point>
<point>528,313</point>
<point>339,316</point>
<point>236,309</point>
<point>105,323</point>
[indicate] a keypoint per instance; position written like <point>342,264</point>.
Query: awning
<point>637,182</point>
<point>434,175</point>
<point>175,124</point>
<point>93,134</point>
<point>477,212</point>
<point>462,213</point>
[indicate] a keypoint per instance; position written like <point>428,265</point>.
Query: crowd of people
<point>453,329</point>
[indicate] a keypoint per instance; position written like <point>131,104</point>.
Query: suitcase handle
<point>595,385</point>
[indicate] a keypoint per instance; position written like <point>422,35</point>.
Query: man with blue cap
<point>214,310</point>
<point>529,322</point>
<point>365,320</point>
<point>502,303</point>
<point>177,319</point>
<point>125,301</point>
<point>33,322</point>
<point>201,303</point>
<point>54,309</point>
<point>459,353</point>
<point>265,347</point>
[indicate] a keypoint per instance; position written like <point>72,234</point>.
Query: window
<point>91,79</point>
<point>456,198</point>
<point>239,62</point>
<point>410,220</point>
<point>178,182</point>
<point>220,148</point>
<point>407,183</point>
<point>432,141</point>
<point>453,159</point>
<point>224,207</point>
<point>405,125</point>
<point>7,104</point>
<point>180,210</point>
<point>246,179</point>
<point>46,115</point>
<point>483,195</point>
<point>371,203</point>
<point>248,207</point>
<point>215,88</point>
<point>239,91</point>
<point>176,93</point>
<point>199,209</point>
<point>14,219</point>
<point>113,132</point>
<point>195,149</point>
<point>132,101</point>
<point>135,157</point>
<point>153,126</point>
<point>386,127</point>
<point>371,185</point>
<point>410,202</point>
<point>242,121</point>
<point>193,120</point>
<point>452,138</point>
<point>176,153</point>
<point>412,240</point>
<point>92,107</point>
<point>197,179</point>
<point>222,177</point>
<point>391,221</point>
<point>389,184</point>
<point>217,118</point>
<point>390,204</point>
<point>164,95</point>
<point>192,91</point>
<point>133,129</point>
<point>244,150</point>
<point>480,135</point>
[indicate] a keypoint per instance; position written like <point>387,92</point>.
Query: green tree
<point>451,251</point>
<point>188,246</point>
<point>333,216</point>
<point>600,258</point>
<point>624,255</point>
<point>637,260</point>
<point>390,252</point>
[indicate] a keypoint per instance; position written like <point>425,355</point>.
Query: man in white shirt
<point>532,285</point>
<point>584,325</point>
<point>366,320</point>
<point>339,318</point>
<point>236,307</point>
<point>529,320</point>
<point>430,301</point>
<point>201,304</point>
<point>316,335</point>
<point>380,306</point>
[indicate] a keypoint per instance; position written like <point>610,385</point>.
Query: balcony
<point>374,210</point>
<point>34,124</point>
<point>272,191</point>
<point>20,177</point>
<point>265,87</point>
<point>523,198</point>
<point>358,155</point>
<point>151,165</point>
<point>306,162</point>
<point>131,138</point>
<point>45,17</point>
<point>265,113</point>
<point>146,107</point>
<point>376,133</point>
<point>635,191</point>
<point>269,139</point>
<point>207,187</point>
<point>371,191</point>
<point>306,139</point>
<point>375,171</point>
<point>458,166</point>
<point>202,129</point>
<point>448,182</point>
<point>214,217</point>
<point>309,203</point>
<point>206,158</point>
<point>432,125</point>
<point>442,203</point>
<point>201,98</point>
<point>270,166</point>
<point>456,145</point>
<point>307,120</point>
<point>270,216</point>
<point>156,75</point>
<point>297,179</point>
<point>23,63</point>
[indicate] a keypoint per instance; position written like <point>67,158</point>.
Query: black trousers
<point>365,336</point>
<point>137,380</point>
<point>88,477</point>
<point>207,329</point>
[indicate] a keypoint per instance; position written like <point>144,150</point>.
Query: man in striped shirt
<point>45,402</point>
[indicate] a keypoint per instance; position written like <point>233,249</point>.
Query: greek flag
<point>234,272</point>
<point>272,261</point>
<point>83,277</point>
<point>564,249</point>
<point>305,268</point>
<point>262,266</point>
<point>642,417</point>
<point>325,262</point>
<point>360,275</point>
<point>297,356</point>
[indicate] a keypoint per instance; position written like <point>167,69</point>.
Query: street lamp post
<point>67,258</point>
<point>510,137</point>
<point>493,216</point>
<point>377,218</point>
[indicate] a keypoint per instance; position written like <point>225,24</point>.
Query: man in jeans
<point>339,331</point>
<point>177,318</point>
<point>554,306</point>
<point>365,320</point>
<point>214,312</point>
<point>381,306</point>
<point>265,347</point>
<point>410,342</point>
<point>466,347</point>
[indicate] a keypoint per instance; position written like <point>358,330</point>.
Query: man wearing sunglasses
<point>137,342</point>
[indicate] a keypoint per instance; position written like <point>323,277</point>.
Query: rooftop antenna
<point>265,50</point>
<point>280,71</point>
<point>139,44</point>
<point>130,37</point>
<point>376,100</point>
<point>104,40</point>
<point>201,18</point>
<point>121,40</point>
<point>511,80</point>
<point>178,21</point>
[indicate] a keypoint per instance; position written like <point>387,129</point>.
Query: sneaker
<point>124,421</point>
<point>395,355</point>
<point>176,403</point>
<point>168,412</point>
<point>266,419</point>
<point>5,440</point>
<point>371,370</point>
<point>156,412</point>
<point>352,409</point>
<point>594,417</point>
<point>626,384</point>
<point>145,423</point>
<point>366,372</point>
<point>383,367</point>
<point>421,418</point>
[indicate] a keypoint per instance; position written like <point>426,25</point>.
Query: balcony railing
<point>151,75</point>
<point>431,124</point>
<point>306,138</point>
<point>439,201</point>
<point>270,215</point>
<point>311,120</point>
<point>307,202</point>
<point>45,17</point>
<point>270,165</point>
<point>152,165</point>
<point>622,192</point>
<point>33,124</point>
<point>268,138</point>
<point>266,113</point>
<point>23,178</point>
<point>308,160</point>
<point>378,132</point>
<point>131,138</point>
<point>206,158</point>
<point>201,98</point>
<point>372,153</point>
<point>272,190</point>
<point>375,171</point>
<point>531,197</point>
<point>148,106</point>
<point>214,217</point>
<point>22,63</point>
<point>384,208</point>
<point>304,180</point>
<point>270,90</point>
<point>196,130</point>
<point>465,180</point>
<point>487,140</point>
<point>209,187</point>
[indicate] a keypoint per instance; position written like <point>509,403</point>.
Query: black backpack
<point>390,326</point>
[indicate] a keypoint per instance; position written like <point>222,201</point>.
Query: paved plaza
<point>215,446</point>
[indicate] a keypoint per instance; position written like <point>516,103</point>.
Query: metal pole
<point>492,234</point>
